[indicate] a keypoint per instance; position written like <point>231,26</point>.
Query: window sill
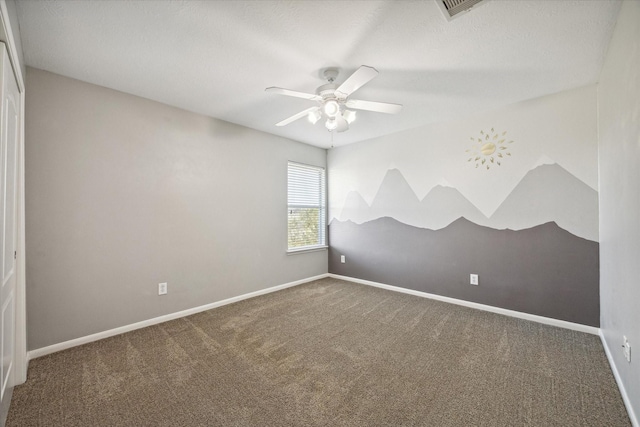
<point>307,249</point>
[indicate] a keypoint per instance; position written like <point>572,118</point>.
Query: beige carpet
<point>328,353</point>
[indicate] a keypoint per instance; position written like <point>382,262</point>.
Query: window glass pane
<point>303,227</point>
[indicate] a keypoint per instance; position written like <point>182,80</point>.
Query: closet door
<point>9,134</point>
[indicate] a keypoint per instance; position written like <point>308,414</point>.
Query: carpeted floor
<point>328,353</point>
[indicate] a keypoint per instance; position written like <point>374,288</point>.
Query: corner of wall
<point>619,182</point>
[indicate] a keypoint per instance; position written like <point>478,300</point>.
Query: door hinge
<point>15,254</point>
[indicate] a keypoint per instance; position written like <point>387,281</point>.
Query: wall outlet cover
<point>473,279</point>
<point>162,288</point>
<point>626,349</point>
<point>343,259</point>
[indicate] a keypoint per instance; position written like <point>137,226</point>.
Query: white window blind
<point>306,207</point>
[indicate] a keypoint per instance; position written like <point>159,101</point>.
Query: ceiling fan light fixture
<point>331,108</point>
<point>331,124</point>
<point>314,116</point>
<point>349,116</point>
<point>333,99</point>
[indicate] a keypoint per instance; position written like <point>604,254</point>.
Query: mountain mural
<point>550,193</point>
<point>395,199</point>
<point>547,193</point>
<point>543,270</point>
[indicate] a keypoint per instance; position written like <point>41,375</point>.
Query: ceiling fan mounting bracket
<point>330,74</point>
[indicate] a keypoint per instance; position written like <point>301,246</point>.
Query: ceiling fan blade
<point>343,125</point>
<point>380,107</point>
<point>361,76</point>
<point>295,117</point>
<point>294,93</point>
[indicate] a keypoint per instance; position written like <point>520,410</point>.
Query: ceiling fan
<point>334,104</point>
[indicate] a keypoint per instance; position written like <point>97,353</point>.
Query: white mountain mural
<point>547,193</point>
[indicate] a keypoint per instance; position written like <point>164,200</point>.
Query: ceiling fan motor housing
<point>327,91</point>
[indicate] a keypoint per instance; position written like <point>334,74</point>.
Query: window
<point>306,205</point>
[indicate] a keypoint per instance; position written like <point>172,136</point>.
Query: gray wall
<point>123,193</point>
<point>619,154</point>
<point>543,270</point>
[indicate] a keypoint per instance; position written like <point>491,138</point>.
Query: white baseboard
<point>512,313</point>
<point>122,329</point>
<point>616,374</point>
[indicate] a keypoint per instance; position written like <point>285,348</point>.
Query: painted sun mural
<point>491,148</point>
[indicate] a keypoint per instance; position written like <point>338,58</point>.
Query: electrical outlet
<point>343,259</point>
<point>626,349</point>
<point>473,279</point>
<point>162,288</point>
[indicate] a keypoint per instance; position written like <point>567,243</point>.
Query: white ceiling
<point>217,57</point>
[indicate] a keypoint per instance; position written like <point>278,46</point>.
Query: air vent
<point>454,8</point>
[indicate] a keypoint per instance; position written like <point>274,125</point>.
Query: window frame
<point>321,206</point>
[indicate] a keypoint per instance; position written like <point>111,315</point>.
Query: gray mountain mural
<point>395,198</point>
<point>443,205</point>
<point>356,208</point>
<point>550,193</point>
<point>546,193</point>
<point>542,270</point>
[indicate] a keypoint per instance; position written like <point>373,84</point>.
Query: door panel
<point>8,339</point>
<point>9,135</point>
<point>9,231</point>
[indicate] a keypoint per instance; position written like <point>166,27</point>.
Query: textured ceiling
<point>217,57</point>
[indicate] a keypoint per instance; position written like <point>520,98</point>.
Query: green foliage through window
<point>303,227</point>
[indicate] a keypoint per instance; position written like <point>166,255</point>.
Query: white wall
<point>524,179</point>
<point>124,193</point>
<point>558,128</point>
<point>619,157</point>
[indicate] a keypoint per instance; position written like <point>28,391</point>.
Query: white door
<point>9,134</point>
